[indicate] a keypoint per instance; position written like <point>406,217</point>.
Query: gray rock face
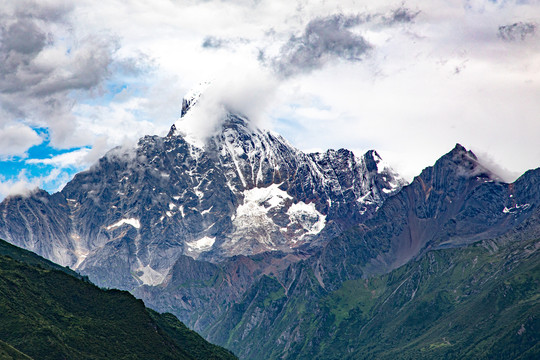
<point>457,203</point>
<point>126,220</point>
<point>454,203</point>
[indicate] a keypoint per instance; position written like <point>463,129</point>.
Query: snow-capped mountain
<point>240,191</point>
<point>266,249</point>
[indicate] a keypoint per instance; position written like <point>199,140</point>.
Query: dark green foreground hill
<point>48,312</point>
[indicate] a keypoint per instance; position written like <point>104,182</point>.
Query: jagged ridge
<point>126,220</point>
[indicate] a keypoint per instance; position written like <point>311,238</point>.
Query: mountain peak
<point>205,116</point>
<point>462,163</point>
<point>372,159</point>
<point>460,153</point>
<point>193,96</point>
<point>467,162</point>
<point>459,148</point>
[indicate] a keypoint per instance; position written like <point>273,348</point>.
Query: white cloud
<point>16,139</point>
<point>447,76</point>
<point>25,185</point>
<point>237,93</point>
<point>74,159</point>
<point>21,185</point>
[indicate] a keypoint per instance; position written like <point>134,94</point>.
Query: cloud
<point>25,185</point>
<point>333,37</point>
<point>517,31</point>
<point>214,42</point>
<point>490,163</point>
<point>47,66</point>
<point>17,139</point>
<point>400,15</point>
<point>324,39</point>
<point>74,158</point>
<point>19,186</point>
<point>54,172</point>
<point>235,93</point>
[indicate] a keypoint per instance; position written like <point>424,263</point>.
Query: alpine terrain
<point>127,220</point>
<point>275,253</point>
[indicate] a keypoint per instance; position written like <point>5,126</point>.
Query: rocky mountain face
<point>275,253</point>
<point>454,239</point>
<point>456,202</point>
<point>282,307</point>
<point>243,191</point>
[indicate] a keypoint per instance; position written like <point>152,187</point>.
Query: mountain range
<point>279,254</point>
<point>245,192</point>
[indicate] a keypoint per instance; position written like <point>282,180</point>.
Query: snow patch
<point>515,208</point>
<point>131,221</point>
<point>273,196</point>
<point>307,216</point>
<point>150,276</point>
<point>203,244</point>
<point>257,203</point>
<point>207,210</point>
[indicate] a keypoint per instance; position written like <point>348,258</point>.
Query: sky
<point>409,79</point>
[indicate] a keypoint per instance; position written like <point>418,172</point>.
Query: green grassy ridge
<point>189,340</point>
<point>8,352</point>
<point>467,303</point>
<point>46,313</point>
<point>30,258</point>
<point>476,302</point>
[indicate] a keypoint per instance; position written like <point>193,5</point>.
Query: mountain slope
<point>475,301</point>
<point>459,303</point>
<point>455,204</point>
<point>8,352</point>
<point>48,314</point>
<point>243,191</point>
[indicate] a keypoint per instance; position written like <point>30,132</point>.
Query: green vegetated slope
<point>46,313</point>
<point>476,302</point>
<point>8,352</point>
<point>469,303</point>
<point>30,258</point>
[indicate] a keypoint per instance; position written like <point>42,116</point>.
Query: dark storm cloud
<point>324,39</point>
<point>517,31</point>
<point>22,37</point>
<point>24,40</point>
